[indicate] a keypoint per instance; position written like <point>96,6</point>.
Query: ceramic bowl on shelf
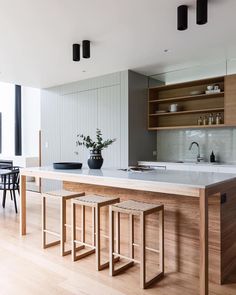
<point>210,87</point>
<point>196,92</point>
<point>160,111</point>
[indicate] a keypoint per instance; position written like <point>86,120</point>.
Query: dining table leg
<point>23,205</point>
<point>203,270</point>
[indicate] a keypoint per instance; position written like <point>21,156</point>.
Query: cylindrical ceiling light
<point>182,17</point>
<point>76,52</point>
<point>86,48</point>
<point>202,12</point>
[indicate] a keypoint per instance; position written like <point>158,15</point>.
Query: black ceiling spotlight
<point>202,11</point>
<point>182,17</point>
<point>86,48</point>
<point>76,52</point>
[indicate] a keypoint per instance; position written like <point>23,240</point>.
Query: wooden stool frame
<point>96,236</point>
<point>142,215</point>
<point>63,225</point>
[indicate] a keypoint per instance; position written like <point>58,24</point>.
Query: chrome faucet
<point>199,158</point>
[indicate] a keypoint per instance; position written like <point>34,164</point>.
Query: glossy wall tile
<point>174,145</point>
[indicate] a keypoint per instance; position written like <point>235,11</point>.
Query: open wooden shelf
<point>213,110</point>
<point>188,97</point>
<point>193,106</point>
<point>191,127</point>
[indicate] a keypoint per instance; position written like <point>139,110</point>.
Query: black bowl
<point>67,165</point>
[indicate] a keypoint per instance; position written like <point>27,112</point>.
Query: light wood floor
<point>27,269</point>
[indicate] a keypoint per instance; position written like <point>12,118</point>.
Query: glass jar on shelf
<point>199,121</point>
<point>205,120</point>
<point>219,119</point>
<point>211,119</point>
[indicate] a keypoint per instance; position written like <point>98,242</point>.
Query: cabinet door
<point>69,127</point>
<point>87,119</point>
<point>109,121</point>
<point>230,100</point>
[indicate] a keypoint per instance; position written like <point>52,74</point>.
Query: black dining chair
<point>6,164</point>
<point>10,182</point>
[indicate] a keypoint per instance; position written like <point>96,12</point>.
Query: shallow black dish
<point>67,165</point>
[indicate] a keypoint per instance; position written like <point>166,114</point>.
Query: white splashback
<point>173,145</point>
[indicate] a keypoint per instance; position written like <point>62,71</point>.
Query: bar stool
<point>142,210</point>
<point>63,195</point>
<point>96,202</point>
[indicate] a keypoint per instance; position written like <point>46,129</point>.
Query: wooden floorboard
<point>27,269</point>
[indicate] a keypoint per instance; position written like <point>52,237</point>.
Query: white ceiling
<point>37,36</point>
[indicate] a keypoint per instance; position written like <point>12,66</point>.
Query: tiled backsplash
<point>174,145</point>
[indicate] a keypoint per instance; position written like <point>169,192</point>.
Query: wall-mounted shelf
<point>191,127</point>
<point>213,110</point>
<point>188,97</point>
<point>192,106</point>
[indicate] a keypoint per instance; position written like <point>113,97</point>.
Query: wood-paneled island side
<point>199,210</point>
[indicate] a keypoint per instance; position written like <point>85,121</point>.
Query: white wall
<point>30,121</point>
<point>7,108</point>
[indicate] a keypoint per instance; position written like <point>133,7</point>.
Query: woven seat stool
<point>96,202</point>
<point>63,195</point>
<point>141,209</point>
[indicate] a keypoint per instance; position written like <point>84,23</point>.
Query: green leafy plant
<point>97,145</point>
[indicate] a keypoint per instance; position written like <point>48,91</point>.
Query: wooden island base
<point>182,229</point>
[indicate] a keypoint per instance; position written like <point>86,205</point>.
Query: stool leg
<point>118,233</point>
<point>73,231</point>
<point>161,239</point>
<point>43,222</point>
<point>98,246</point>
<point>111,217</point>
<point>83,224</point>
<point>131,232</point>
<point>93,227</point>
<point>142,252</point>
<point>63,227</point>
<point>156,278</point>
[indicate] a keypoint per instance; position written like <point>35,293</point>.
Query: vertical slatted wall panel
<point>81,107</point>
<point>109,121</point>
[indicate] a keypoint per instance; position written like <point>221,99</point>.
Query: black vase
<point>95,160</point>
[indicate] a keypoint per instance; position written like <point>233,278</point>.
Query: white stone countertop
<point>187,163</point>
<point>192,166</point>
<point>115,176</point>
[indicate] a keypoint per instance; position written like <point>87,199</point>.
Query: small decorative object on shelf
<point>95,160</point>
<point>205,120</point>
<point>196,92</point>
<point>213,89</point>
<point>199,121</point>
<point>211,119</point>
<point>218,119</point>
<point>174,107</point>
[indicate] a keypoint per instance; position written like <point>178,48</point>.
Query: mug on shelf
<point>174,107</point>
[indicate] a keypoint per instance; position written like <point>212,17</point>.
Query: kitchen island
<point>200,210</point>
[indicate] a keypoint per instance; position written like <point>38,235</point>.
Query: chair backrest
<point>11,180</point>
<point>6,164</point>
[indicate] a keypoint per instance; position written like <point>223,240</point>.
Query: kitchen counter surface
<point>153,163</point>
<point>118,177</point>
<point>192,166</point>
